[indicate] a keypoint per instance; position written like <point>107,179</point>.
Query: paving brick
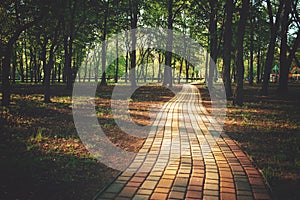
<point>166,183</point>
<point>194,194</point>
<point>141,197</point>
<point>264,195</point>
<point>211,186</point>
<point>176,195</point>
<point>137,179</point>
<point>128,191</point>
<point>149,184</point>
<point>210,192</point>
<point>227,196</point>
<point>144,191</point>
<point>115,188</point>
<point>159,196</point>
<point>161,190</point>
<point>182,182</point>
<point>133,184</point>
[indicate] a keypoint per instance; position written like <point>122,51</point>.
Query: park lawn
<point>43,157</point>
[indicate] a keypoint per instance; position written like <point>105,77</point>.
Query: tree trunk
<point>97,64</point>
<point>213,41</point>
<point>206,67</point>
<point>284,65</point>
<point>5,77</point>
<point>26,61</point>
<point>229,8</point>
<point>180,70</point>
<point>117,61</point>
<point>21,72</point>
<point>47,72</point>
<point>168,60</point>
<point>187,68</point>
<point>126,66</point>
<point>271,48</point>
<point>147,65</point>
<point>43,56</point>
<point>258,67</point>
<point>103,57</point>
<point>238,97</point>
<point>14,66</point>
<point>68,48</point>
<point>59,73</point>
<point>134,19</point>
<point>251,48</point>
<point>90,71</point>
<point>35,66</point>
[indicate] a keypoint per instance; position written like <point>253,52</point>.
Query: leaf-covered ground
<point>42,156</point>
<point>268,129</point>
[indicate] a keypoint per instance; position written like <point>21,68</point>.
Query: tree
<point>273,26</point>
<point>229,8</point>
<point>15,17</point>
<point>168,71</point>
<point>133,19</point>
<point>285,61</point>
<point>213,42</point>
<point>251,44</point>
<point>103,57</point>
<point>238,96</point>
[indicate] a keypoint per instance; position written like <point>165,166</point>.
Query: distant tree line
<point>46,41</point>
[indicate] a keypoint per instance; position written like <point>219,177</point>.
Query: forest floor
<point>268,130</point>
<point>42,156</point>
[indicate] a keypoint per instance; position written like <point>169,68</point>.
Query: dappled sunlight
<point>59,146</point>
<point>268,128</point>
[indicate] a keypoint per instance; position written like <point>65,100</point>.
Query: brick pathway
<point>185,158</point>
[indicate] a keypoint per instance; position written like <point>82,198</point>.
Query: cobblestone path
<point>185,157</point>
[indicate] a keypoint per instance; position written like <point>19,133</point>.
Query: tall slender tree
<point>168,68</point>
<point>238,96</point>
<point>229,8</point>
<point>274,27</point>
<point>134,19</point>
<point>213,41</point>
<point>103,57</point>
<point>285,58</point>
<point>14,20</point>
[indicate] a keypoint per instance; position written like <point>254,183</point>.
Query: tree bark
<point>134,19</point>
<point>229,8</point>
<point>271,48</point>
<point>14,65</point>
<point>117,61</point>
<point>284,68</point>
<point>258,66</point>
<point>68,48</point>
<point>103,57</point>
<point>206,67</point>
<point>251,48</point>
<point>5,76</point>
<point>238,96</point>
<point>168,68</point>
<point>213,43</point>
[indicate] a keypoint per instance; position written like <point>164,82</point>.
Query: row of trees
<point>52,40</point>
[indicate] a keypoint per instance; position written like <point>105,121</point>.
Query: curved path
<point>185,157</point>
